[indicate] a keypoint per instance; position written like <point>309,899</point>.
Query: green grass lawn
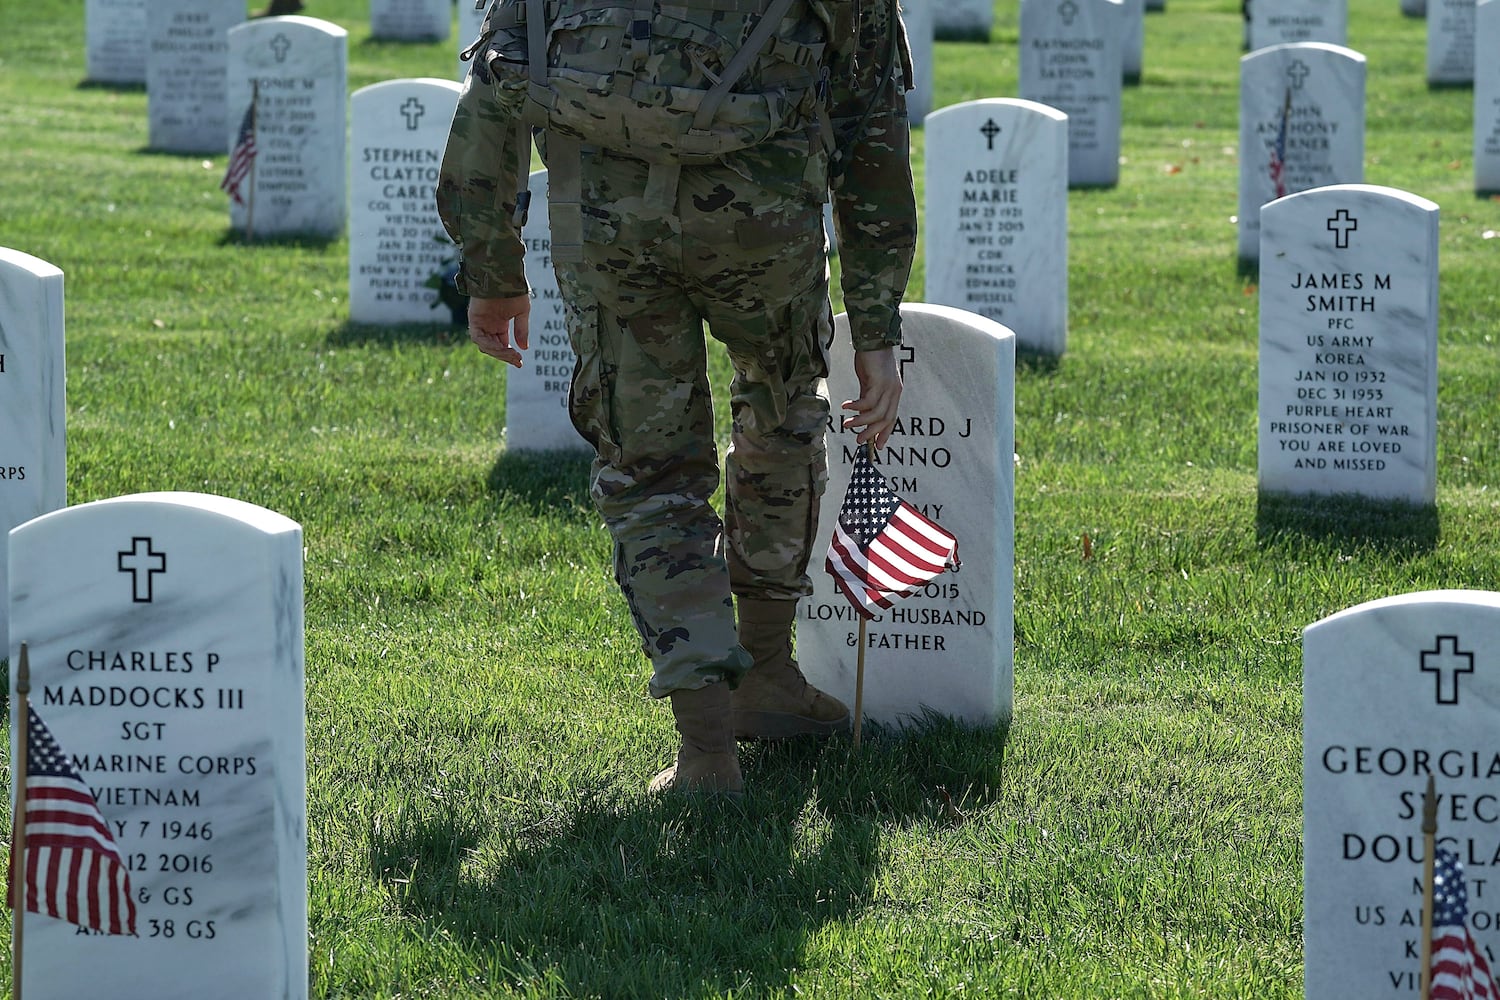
<point>479,734</point>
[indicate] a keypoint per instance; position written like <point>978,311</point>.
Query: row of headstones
<point>186,720</point>
<point>121,40</point>
<point>1452,42</point>
<point>164,634</point>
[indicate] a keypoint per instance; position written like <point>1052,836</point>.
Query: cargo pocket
<point>592,385</point>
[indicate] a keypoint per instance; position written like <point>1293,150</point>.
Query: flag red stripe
<point>916,526</point>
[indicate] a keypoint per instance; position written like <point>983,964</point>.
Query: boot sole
<point>751,726</point>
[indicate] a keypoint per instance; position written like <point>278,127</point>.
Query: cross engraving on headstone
<point>142,566</point>
<point>1341,224</point>
<point>281,45</point>
<point>413,110</point>
<point>1447,661</point>
<point>1068,10</point>
<point>906,356</point>
<point>1297,73</point>
<point>990,130</point>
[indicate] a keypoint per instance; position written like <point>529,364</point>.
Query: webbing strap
<point>747,54</point>
<point>565,197</point>
<point>523,162</point>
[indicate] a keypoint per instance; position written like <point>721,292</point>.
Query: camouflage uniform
<point>740,247</point>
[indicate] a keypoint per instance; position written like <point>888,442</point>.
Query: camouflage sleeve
<point>874,205</point>
<point>476,195</point>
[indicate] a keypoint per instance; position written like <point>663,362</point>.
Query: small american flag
<point>1278,152</point>
<point>242,156</point>
<point>73,869</point>
<point>882,546</point>
<point>1459,968</point>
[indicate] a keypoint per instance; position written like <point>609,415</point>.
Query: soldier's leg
<point>777,328</point>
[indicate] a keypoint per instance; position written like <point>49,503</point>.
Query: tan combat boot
<point>707,761</point>
<point>774,701</point>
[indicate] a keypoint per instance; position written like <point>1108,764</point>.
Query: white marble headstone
<point>470,20</point>
<point>33,410</point>
<point>1451,41</point>
<point>396,240</point>
<point>536,394</point>
<point>115,31</point>
<point>1302,125</point>
<point>1282,22</point>
<point>996,216</point>
<point>948,649</point>
<point>1348,344</point>
<point>1071,59</point>
<point>296,69</point>
<point>1487,99</point>
<point>165,638</point>
<point>187,65</point>
<point>916,15</point>
<point>1395,691</point>
<point>411,20</point>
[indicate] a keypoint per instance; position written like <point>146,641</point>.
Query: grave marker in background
<point>470,20</point>
<point>165,638</point>
<point>1450,42</point>
<point>297,68</point>
<point>1283,22</point>
<point>33,411</point>
<point>411,20</point>
<point>1302,125</point>
<point>116,36</point>
<point>948,648</point>
<point>1348,344</point>
<point>1133,50</point>
<point>917,16</point>
<point>1071,60</point>
<point>187,64</point>
<point>995,222</point>
<point>1394,690</point>
<point>396,240</point>
<point>963,20</point>
<point>536,394</point>
<point>1487,99</point>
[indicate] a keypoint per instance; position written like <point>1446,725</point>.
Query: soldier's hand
<point>874,412</point>
<point>493,322</point>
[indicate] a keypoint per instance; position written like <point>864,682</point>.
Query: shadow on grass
<point>1034,362</point>
<point>117,87</point>
<point>547,480</point>
<point>440,331</point>
<point>1391,526</point>
<point>293,241</point>
<point>681,896</point>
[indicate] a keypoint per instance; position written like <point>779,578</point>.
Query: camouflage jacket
<point>873,201</point>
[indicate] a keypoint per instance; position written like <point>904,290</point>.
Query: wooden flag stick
<point>1429,836</point>
<point>18,827</point>
<point>254,128</point>
<point>859,684</point>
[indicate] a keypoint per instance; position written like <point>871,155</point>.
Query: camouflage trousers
<point>750,263</point>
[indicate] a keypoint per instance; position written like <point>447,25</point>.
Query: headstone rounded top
<point>26,262</point>
<point>998,102</point>
<point>1415,200</point>
<point>406,83</point>
<point>286,20</point>
<point>939,317</point>
<point>1271,51</point>
<point>1426,598</point>
<point>252,515</point>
